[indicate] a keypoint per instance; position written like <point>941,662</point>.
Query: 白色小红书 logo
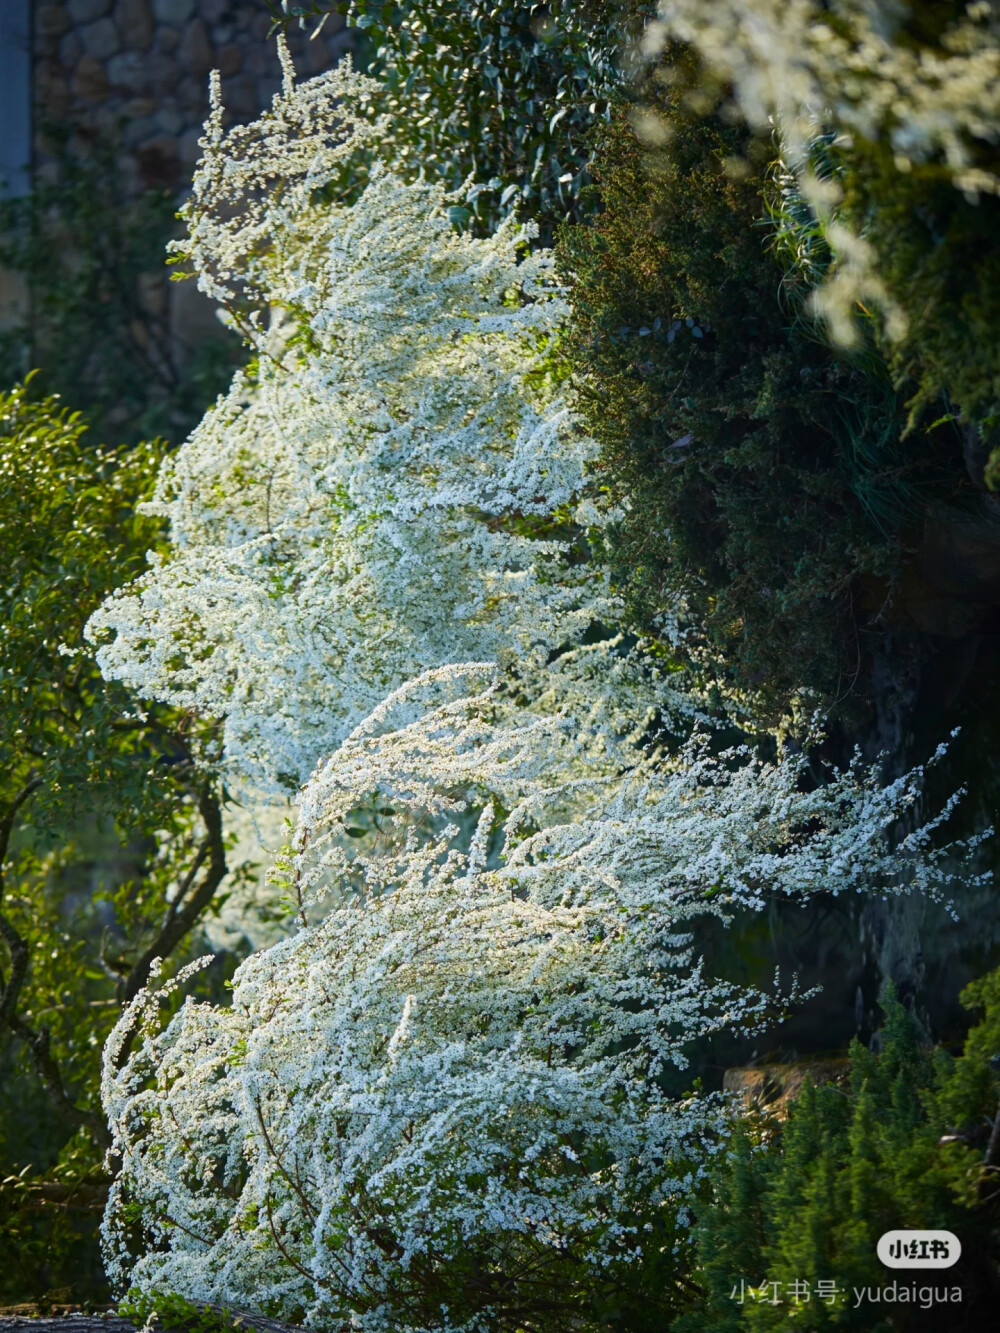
<point>919,1249</point>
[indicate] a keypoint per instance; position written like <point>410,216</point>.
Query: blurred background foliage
<point>96,324</point>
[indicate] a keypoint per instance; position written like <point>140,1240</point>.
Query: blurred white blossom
<point>805,65</point>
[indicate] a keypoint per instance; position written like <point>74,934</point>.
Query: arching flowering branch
<point>444,1105</point>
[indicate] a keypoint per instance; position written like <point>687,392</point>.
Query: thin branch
<point>38,1042</point>
<point>16,945</point>
<point>178,922</point>
<point>7,823</point>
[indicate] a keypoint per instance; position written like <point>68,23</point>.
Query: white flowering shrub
<point>396,482</point>
<point>445,1105</point>
<point>451,1100</point>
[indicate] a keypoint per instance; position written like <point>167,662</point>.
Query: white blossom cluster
<point>395,484</point>
<point>802,64</point>
<point>447,1092</point>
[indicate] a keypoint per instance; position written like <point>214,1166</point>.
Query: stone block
<point>46,48</point>
<point>128,73</point>
<point>267,90</point>
<point>162,73</point>
<point>239,96</point>
<point>159,164</point>
<point>128,174</point>
<point>70,50</point>
<point>139,131</point>
<point>102,120</point>
<point>47,172</point>
<point>90,81</point>
<point>315,58</point>
<point>188,147</point>
<point>138,108</point>
<point>195,50</point>
<point>100,39</point>
<point>134,20</point>
<point>214,11</point>
<point>169,122</point>
<point>193,317</point>
<point>86,11</point>
<point>230,60</point>
<point>153,292</point>
<point>168,39</point>
<point>173,11</point>
<point>51,89</point>
<point>192,95</point>
<point>52,21</point>
<point>255,60</point>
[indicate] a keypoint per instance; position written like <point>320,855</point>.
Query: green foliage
<point>938,251</point>
<point>502,92</point>
<point>171,1311</point>
<point>110,833</point>
<point>82,539</point>
<point>936,254</point>
<point>92,258</point>
<point>762,472</point>
<point>50,1230</point>
<point>939,257</point>
<point>902,1147</point>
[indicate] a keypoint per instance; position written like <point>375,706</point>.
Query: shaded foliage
<point>92,258</point>
<point>760,469</point>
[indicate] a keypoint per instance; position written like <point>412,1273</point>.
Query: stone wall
<point>135,74</point>
<point>139,69</point>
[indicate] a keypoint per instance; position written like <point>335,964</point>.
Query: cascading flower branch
<point>395,483</point>
<point>444,1103</point>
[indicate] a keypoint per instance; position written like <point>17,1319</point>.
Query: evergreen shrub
<point>765,494</point>
<point>505,93</point>
<point>907,1144</point>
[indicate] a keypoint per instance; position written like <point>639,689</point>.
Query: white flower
<point>801,64</point>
